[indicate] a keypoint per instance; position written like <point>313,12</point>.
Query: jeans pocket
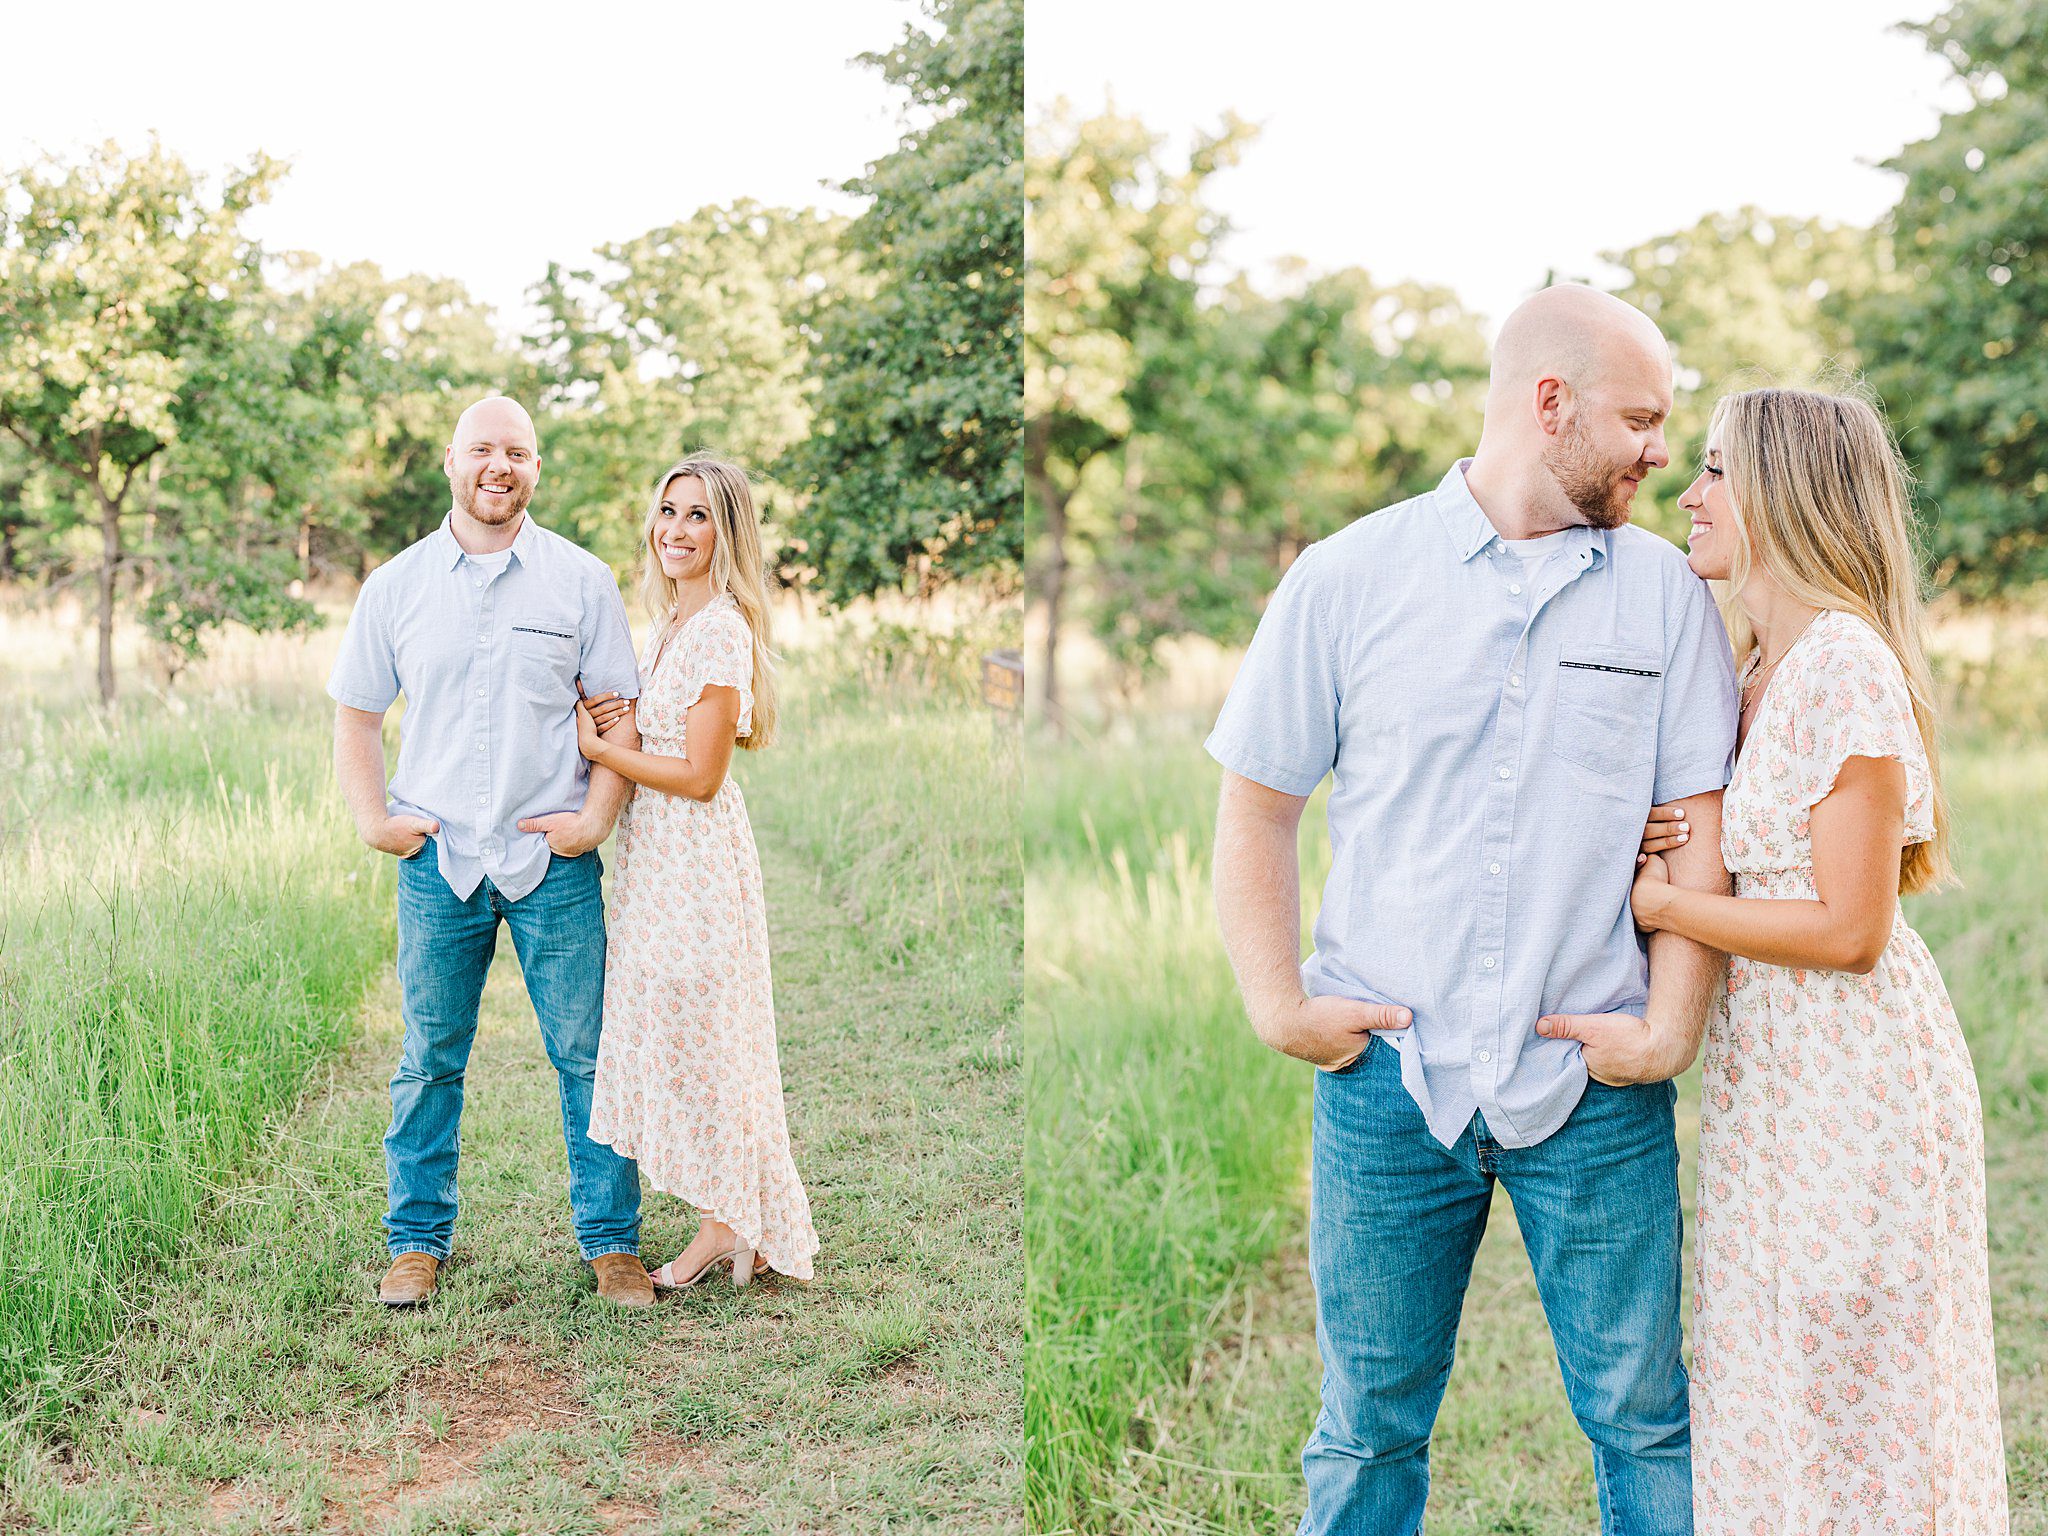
<point>1357,1063</point>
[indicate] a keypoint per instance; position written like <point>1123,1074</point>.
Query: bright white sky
<point>1480,143</point>
<point>472,141</point>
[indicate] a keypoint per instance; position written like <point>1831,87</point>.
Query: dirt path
<point>263,1389</point>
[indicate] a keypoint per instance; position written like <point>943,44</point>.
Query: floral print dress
<point>688,1079</point>
<point>1843,1380</point>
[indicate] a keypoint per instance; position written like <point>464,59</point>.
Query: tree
<point>1118,237</point>
<point>1956,349</point>
<point>911,467</point>
<point>434,349</point>
<point>694,335</point>
<point>1271,422</point>
<point>125,330</point>
<point>1745,298</point>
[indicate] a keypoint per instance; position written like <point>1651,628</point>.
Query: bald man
<point>489,626</point>
<point>1503,677</point>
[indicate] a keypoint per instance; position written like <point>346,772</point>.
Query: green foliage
<point>1184,445</point>
<point>1955,347</point>
<point>129,338</point>
<point>1265,424</point>
<point>1746,299</point>
<point>912,469</point>
<point>694,335</point>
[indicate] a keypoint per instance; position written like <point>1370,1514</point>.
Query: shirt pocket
<point>545,659</point>
<point>1608,698</point>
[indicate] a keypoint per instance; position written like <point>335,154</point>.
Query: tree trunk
<point>1054,581</point>
<point>110,566</point>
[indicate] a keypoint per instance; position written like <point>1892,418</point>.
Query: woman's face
<point>1710,547</point>
<point>684,535</point>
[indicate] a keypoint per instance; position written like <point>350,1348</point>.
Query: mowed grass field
<point>228,1369</point>
<point>1171,1373</point>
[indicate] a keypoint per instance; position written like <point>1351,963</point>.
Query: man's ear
<point>1553,403</point>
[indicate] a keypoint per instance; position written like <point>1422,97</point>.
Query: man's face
<point>493,465</point>
<point>1612,438</point>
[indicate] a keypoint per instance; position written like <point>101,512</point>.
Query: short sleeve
<point>1850,699</point>
<point>365,674</point>
<point>606,663</point>
<point>1696,727</point>
<point>721,655</point>
<point>1278,726</point>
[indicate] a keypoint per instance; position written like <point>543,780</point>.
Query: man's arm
<point>1685,976</point>
<point>359,768</point>
<point>1621,1049</point>
<point>1257,880</point>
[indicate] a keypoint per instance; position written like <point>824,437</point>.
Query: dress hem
<point>799,1264</point>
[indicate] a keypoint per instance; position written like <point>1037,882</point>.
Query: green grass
<point>254,1384</point>
<point>1171,1373</point>
<point>158,1001</point>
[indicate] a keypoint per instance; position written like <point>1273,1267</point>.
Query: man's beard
<point>1587,482</point>
<point>493,513</point>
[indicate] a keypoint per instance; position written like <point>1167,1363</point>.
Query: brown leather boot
<point>622,1280</point>
<point>409,1281</point>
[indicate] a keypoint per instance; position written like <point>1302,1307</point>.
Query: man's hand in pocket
<point>1333,1032</point>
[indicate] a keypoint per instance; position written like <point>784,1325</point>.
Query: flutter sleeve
<point>722,656</point>
<point>1852,701</point>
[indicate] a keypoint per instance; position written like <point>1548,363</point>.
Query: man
<point>489,626</point>
<point>1503,676</point>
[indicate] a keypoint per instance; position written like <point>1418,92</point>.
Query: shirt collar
<point>450,554</point>
<point>1471,530</point>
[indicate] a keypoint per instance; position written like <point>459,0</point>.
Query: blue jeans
<point>444,952</point>
<point>1394,1221</point>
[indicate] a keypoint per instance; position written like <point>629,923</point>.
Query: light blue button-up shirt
<point>488,664</point>
<point>1498,736</point>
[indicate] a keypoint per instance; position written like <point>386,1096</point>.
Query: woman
<point>688,1082</point>
<point>1843,1377</point>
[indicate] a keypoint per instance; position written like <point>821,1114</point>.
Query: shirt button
<point>483,637</point>
<point>1493,869</point>
<point>480,690</point>
<point>1487,962</point>
<point>1485,1056</point>
<point>1515,587</point>
<point>1514,680</point>
<point>479,746</point>
<point>1506,773</point>
<point>476,581</point>
<point>486,800</point>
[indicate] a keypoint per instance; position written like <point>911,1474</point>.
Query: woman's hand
<point>1666,829</point>
<point>607,708</point>
<point>589,741</point>
<point>1652,890</point>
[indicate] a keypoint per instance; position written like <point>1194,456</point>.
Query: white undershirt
<point>1533,552</point>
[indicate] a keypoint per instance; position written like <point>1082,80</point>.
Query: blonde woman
<point>1842,1365</point>
<point>688,1081</point>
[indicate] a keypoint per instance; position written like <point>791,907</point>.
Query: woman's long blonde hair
<point>736,567</point>
<point>1823,503</point>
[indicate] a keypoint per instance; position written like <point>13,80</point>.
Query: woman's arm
<point>1856,833</point>
<point>707,737</point>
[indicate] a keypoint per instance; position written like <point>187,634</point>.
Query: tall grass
<point>1166,1157</point>
<point>1163,1143</point>
<point>188,924</point>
